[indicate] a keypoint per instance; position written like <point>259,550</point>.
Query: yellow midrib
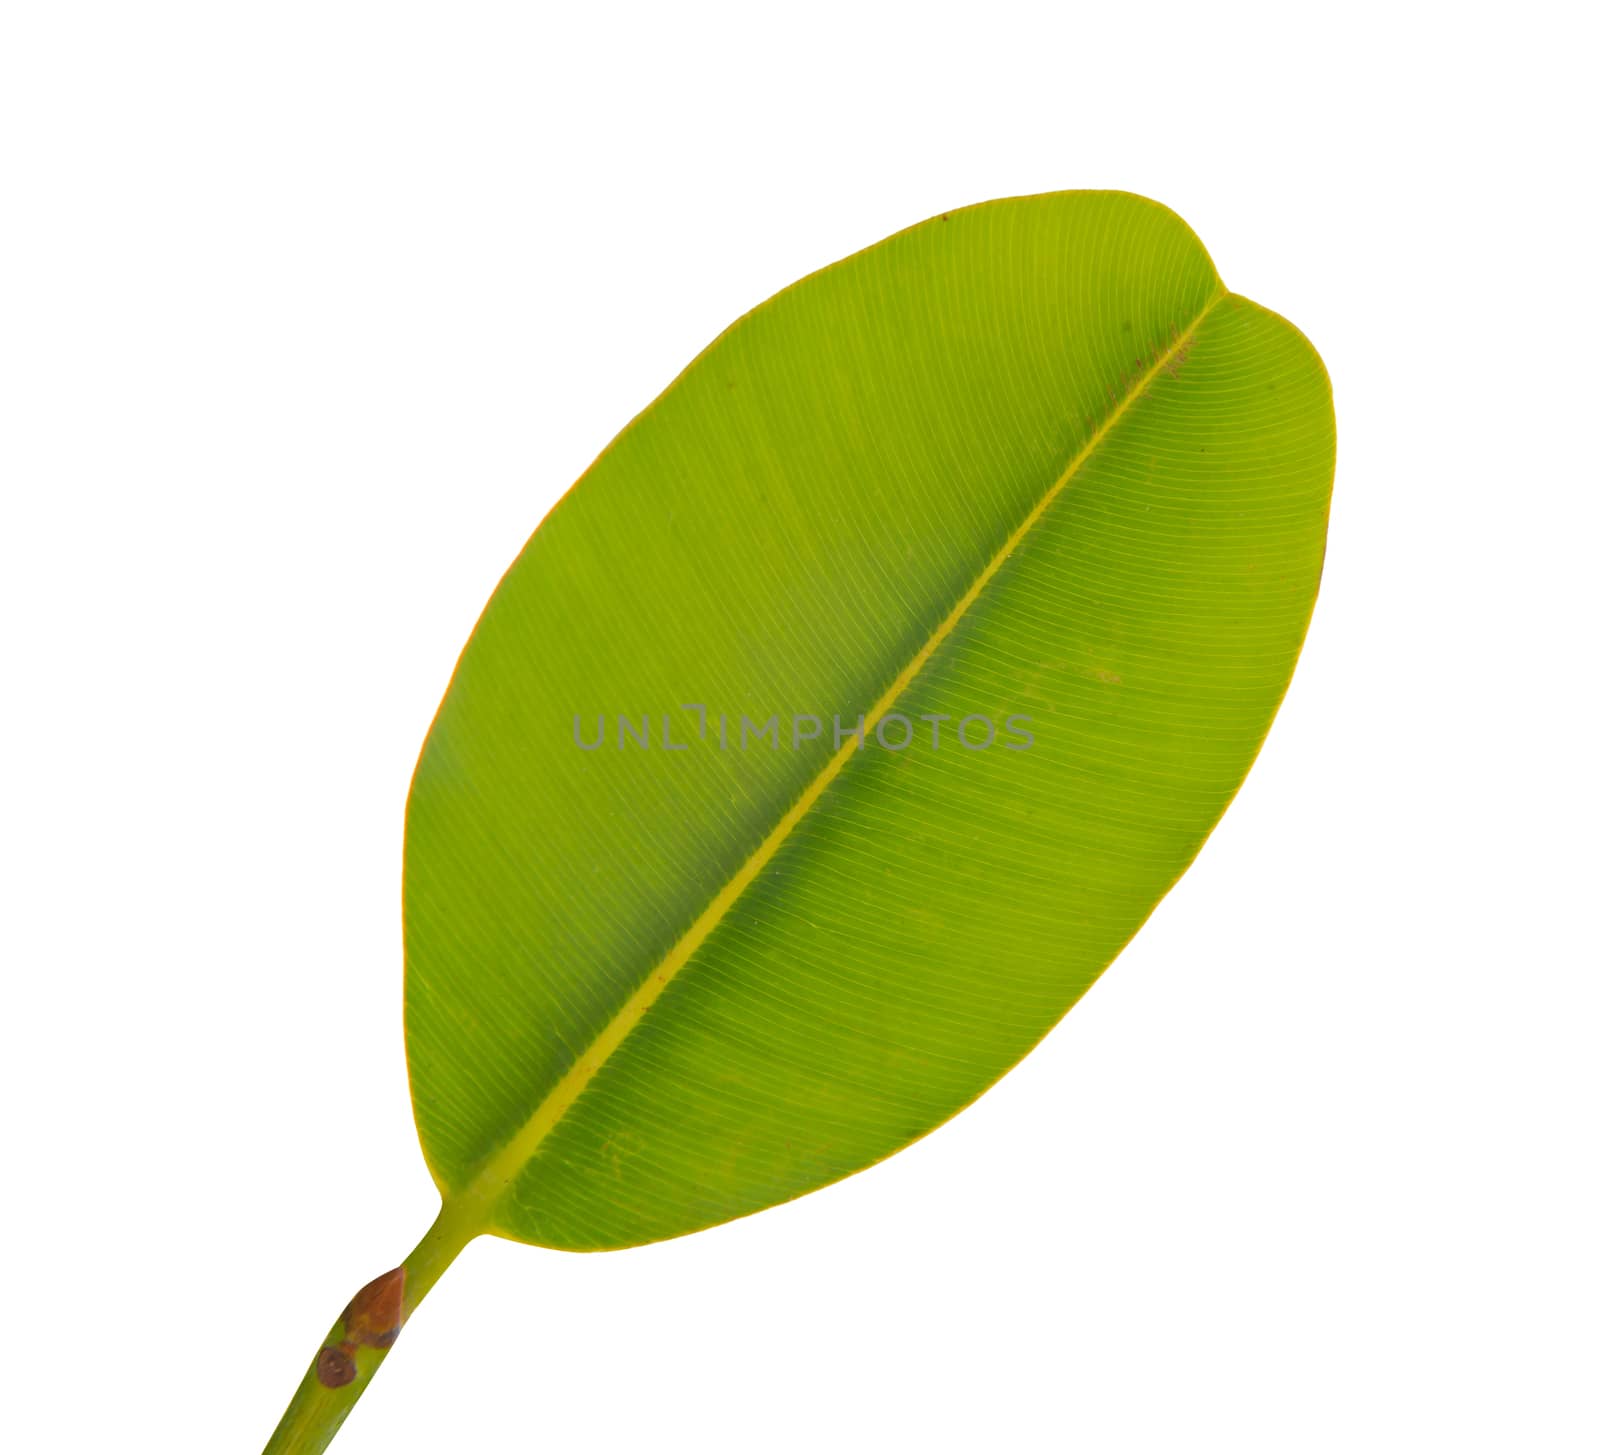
<point>476,1201</point>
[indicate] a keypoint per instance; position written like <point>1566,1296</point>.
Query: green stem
<point>316,1411</point>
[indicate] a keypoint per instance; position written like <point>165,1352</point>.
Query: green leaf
<point>1026,474</point>
<point>1029,459</point>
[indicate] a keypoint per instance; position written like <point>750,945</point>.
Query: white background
<point>308,312</point>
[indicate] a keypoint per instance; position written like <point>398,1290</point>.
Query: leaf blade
<point>705,1108</point>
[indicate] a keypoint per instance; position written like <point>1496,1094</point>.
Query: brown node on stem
<point>375,1314</point>
<point>373,1317</point>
